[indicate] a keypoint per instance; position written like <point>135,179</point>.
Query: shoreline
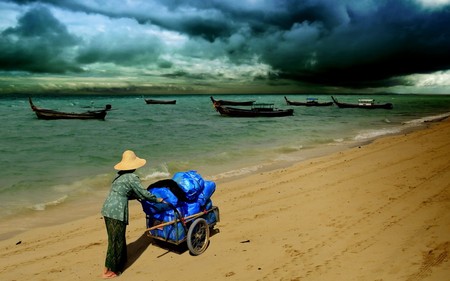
<point>378,211</point>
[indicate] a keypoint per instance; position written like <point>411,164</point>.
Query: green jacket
<point>125,187</point>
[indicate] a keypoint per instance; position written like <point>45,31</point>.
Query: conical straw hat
<point>129,161</point>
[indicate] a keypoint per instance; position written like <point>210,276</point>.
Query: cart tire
<point>198,236</point>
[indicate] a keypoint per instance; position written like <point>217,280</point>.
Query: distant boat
<point>309,102</point>
<point>363,103</point>
<point>152,101</point>
<point>49,114</point>
<point>257,110</point>
<point>229,102</point>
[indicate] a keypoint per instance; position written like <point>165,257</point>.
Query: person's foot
<point>109,274</point>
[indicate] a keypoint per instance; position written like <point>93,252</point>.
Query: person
<point>126,186</point>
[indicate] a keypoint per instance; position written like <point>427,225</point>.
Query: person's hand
<point>160,200</point>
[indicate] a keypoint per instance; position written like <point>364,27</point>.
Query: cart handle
<point>184,219</point>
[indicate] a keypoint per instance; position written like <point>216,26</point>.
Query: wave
<point>156,175</point>
<point>161,171</point>
<point>237,172</point>
<point>432,118</point>
<point>371,134</point>
<point>43,206</point>
<point>288,149</point>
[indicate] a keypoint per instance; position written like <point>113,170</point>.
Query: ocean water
<point>49,166</point>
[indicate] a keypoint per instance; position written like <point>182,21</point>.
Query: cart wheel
<point>198,236</point>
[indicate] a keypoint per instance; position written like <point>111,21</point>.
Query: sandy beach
<point>380,211</point>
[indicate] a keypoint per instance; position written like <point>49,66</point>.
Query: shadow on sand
<point>137,248</point>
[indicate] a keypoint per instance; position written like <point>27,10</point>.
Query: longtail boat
<point>153,101</point>
<point>309,102</point>
<point>49,114</point>
<point>363,103</point>
<point>257,110</point>
<point>230,102</point>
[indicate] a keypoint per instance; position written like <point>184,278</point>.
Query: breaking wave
<point>43,206</point>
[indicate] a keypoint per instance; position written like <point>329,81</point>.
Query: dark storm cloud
<point>329,43</point>
<point>36,44</point>
<point>352,43</point>
<point>398,38</point>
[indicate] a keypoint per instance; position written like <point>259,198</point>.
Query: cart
<point>193,229</point>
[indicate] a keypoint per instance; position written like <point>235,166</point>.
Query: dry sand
<point>376,212</point>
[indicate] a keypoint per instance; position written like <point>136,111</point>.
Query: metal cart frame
<point>195,229</point>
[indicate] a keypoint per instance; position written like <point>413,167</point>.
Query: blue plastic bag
<point>190,182</point>
<point>206,193</point>
<point>190,208</point>
<point>165,194</point>
<point>174,232</point>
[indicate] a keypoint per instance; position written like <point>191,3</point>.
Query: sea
<point>55,171</point>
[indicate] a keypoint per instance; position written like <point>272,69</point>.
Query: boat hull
<point>238,112</point>
<point>48,114</point>
<point>364,106</point>
<point>63,115</point>
<point>151,101</point>
<point>311,103</point>
<point>233,103</point>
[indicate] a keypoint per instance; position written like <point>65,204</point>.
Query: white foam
<point>238,172</point>
<point>156,174</point>
<point>427,119</point>
<point>370,134</point>
<point>43,206</point>
<point>161,172</point>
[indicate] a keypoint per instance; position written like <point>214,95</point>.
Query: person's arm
<point>142,193</point>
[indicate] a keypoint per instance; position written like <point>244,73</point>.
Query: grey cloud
<point>368,48</point>
<point>344,43</point>
<point>352,43</point>
<point>122,49</point>
<point>37,44</point>
<point>397,39</point>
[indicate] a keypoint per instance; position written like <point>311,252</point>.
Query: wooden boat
<point>53,114</point>
<point>229,102</point>
<point>309,102</point>
<point>257,110</point>
<point>152,101</point>
<point>363,103</point>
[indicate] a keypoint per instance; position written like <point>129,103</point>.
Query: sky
<point>225,46</point>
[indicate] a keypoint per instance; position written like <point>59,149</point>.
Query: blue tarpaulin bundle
<point>196,198</point>
<point>190,182</point>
